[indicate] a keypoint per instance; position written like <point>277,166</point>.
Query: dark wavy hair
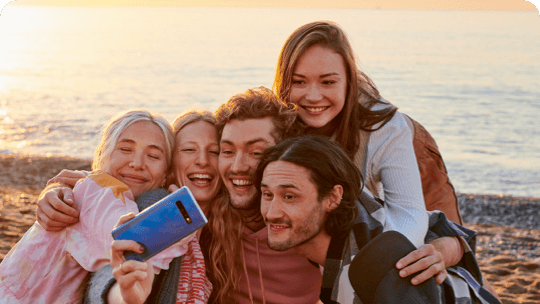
<point>258,103</point>
<point>329,165</point>
<point>362,94</point>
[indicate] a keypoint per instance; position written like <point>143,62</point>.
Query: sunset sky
<point>382,4</point>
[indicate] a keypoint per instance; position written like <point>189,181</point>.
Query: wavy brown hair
<point>362,94</point>
<point>220,239</point>
<point>257,103</point>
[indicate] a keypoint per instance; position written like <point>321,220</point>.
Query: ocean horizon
<point>472,78</point>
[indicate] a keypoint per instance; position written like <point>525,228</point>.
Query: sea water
<point>472,78</point>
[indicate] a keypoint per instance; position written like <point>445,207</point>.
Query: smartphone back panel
<point>162,224</point>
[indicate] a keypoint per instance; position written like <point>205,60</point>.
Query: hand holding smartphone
<point>162,224</point>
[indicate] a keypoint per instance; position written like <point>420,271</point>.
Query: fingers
<point>423,251</point>
<point>129,272</point>
<point>173,188</point>
<point>49,224</point>
<point>124,218</point>
<point>53,213</point>
<point>119,246</point>
<point>68,177</point>
<point>436,270</point>
<point>426,261</point>
<point>441,276</point>
<point>66,181</point>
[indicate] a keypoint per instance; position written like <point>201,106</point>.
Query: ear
<point>333,200</point>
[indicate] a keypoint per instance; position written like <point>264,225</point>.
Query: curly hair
<point>328,165</point>
<point>260,103</point>
<point>362,94</point>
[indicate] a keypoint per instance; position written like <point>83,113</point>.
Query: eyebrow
<point>131,141</point>
<point>249,143</point>
<point>321,76</point>
<point>282,186</point>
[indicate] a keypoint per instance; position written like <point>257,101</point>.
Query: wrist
<point>459,251</point>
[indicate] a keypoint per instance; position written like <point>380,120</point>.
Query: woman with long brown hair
<point>317,71</point>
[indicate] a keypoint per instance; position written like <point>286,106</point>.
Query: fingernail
<point>141,249</point>
<point>398,265</point>
<point>403,273</point>
<point>414,281</point>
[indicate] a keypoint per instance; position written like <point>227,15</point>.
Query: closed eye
<point>154,156</point>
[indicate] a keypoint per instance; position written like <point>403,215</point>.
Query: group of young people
<point>315,192</point>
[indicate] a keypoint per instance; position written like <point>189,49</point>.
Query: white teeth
<point>241,182</point>
<point>200,176</point>
<point>315,109</point>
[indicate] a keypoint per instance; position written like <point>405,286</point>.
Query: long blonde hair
<point>221,248</point>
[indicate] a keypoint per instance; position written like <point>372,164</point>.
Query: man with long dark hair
<point>312,200</point>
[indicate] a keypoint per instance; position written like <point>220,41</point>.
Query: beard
<point>298,234</point>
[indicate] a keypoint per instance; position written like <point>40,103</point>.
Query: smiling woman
<point>133,157</point>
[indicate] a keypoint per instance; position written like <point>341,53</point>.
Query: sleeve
<point>89,240</point>
<point>99,285</point>
<point>392,162</point>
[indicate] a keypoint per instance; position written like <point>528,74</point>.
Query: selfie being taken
<point>293,152</point>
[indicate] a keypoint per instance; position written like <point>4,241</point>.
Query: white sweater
<point>391,173</point>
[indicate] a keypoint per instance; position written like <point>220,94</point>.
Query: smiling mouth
<point>314,109</point>
<point>200,177</point>
<point>277,227</point>
<point>134,179</point>
<point>241,182</point>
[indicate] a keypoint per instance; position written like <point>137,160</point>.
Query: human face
<point>242,144</point>
<point>195,160</point>
<point>290,206</point>
<point>139,158</point>
<point>319,87</point>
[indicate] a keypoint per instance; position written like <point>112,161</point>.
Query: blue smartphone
<point>164,223</point>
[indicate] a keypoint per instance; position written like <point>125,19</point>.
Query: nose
<point>240,163</point>
<point>202,159</point>
<point>137,161</point>
<point>272,208</point>
<point>313,93</point>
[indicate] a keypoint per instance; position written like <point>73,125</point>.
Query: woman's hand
<point>426,260</point>
<point>173,188</point>
<point>133,279</point>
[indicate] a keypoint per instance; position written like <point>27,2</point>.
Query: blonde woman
<point>51,267</point>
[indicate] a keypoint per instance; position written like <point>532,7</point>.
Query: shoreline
<point>508,228</point>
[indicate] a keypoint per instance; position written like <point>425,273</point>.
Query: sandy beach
<point>508,243</point>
